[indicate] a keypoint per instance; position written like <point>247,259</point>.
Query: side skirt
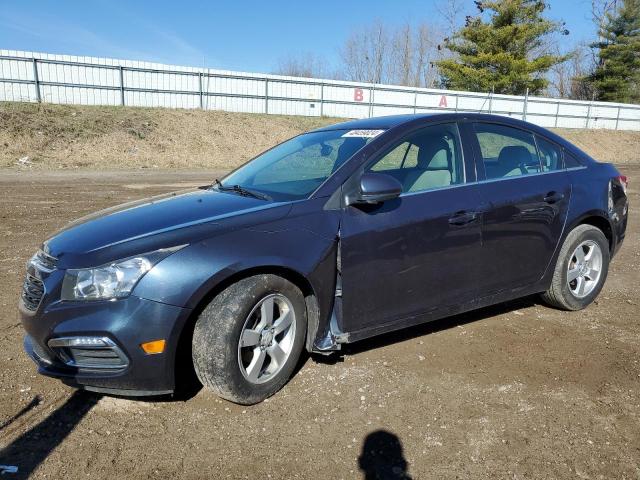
<point>441,313</point>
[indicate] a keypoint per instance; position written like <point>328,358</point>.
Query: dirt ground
<point>519,390</point>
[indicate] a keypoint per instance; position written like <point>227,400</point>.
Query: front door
<point>409,257</point>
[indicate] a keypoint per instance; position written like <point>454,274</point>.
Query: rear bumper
<point>620,230</point>
<point>124,324</point>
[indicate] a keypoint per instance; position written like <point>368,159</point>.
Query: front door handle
<point>463,218</point>
<point>553,197</point>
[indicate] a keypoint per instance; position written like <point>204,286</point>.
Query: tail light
<point>622,179</point>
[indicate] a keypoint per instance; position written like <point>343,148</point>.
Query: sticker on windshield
<point>363,133</point>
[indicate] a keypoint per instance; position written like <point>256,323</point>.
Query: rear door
<point>525,194</point>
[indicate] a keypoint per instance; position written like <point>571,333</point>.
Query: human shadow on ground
<point>382,457</point>
<point>35,401</point>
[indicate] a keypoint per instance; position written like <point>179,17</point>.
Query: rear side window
<point>570,161</point>
<point>550,155</point>
<point>506,151</point>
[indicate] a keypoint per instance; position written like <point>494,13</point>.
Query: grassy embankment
<point>52,137</point>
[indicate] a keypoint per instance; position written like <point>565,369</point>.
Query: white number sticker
<point>363,133</point>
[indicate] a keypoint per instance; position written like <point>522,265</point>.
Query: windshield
<point>296,168</point>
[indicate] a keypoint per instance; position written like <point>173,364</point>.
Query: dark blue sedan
<point>334,236</point>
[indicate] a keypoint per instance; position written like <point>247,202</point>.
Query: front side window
<point>427,159</point>
<point>506,151</point>
<point>296,168</point>
<point>404,155</point>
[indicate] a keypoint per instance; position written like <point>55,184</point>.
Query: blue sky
<point>237,35</point>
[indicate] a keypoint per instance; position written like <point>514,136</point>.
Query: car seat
<point>512,161</point>
<point>434,166</point>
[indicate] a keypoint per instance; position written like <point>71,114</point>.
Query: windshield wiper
<point>240,190</point>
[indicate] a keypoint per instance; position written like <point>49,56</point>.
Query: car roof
<point>393,121</point>
<point>374,123</point>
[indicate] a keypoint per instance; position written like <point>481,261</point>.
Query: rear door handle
<point>553,197</point>
<point>463,218</point>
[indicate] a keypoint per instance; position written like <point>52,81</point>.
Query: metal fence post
<point>36,80</point>
<point>525,106</point>
<point>456,97</point>
<point>372,92</point>
<point>121,85</point>
<point>415,102</point>
<point>618,118</point>
<point>555,124</point>
<point>491,100</point>
<point>322,100</point>
<point>266,95</point>
<point>200,86</point>
<point>586,123</point>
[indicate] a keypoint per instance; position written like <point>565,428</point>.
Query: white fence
<point>41,77</point>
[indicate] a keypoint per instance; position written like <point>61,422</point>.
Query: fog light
<point>153,347</point>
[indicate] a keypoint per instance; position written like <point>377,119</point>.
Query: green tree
<point>617,75</point>
<point>505,52</point>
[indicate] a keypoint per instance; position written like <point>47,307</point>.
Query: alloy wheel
<point>267,337</point>
<point>584,269</point>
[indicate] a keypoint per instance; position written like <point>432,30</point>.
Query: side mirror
<point>378,188</point>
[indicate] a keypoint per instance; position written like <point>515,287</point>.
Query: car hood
<point>158,222</point>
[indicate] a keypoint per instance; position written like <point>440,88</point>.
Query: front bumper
<point>124,324</point>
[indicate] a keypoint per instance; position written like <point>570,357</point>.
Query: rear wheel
<point>581,269</point>
<point>248,340</point>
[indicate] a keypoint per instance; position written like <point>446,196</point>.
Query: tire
<point>565,293</point>
<point>241,311</point>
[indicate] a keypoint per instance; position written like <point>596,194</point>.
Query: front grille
<point>46,261</point>
<point>32,292</point>
<point>41,264</point>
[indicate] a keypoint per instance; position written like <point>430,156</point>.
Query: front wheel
<point>581,269</point>
<point>248,340</point>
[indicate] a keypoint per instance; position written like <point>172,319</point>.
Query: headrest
<point>347,149</point>
<point>434,154</point>
<point>513,156</point>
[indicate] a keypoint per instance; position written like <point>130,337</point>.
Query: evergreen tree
<point>504,52</point>
<point>617,76</point>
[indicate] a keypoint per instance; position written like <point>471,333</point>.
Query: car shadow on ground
<point>31,448</point>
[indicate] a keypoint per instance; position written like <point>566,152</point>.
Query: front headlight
<point>115,280</point>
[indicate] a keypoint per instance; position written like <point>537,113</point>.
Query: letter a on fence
<point>443,101</point>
